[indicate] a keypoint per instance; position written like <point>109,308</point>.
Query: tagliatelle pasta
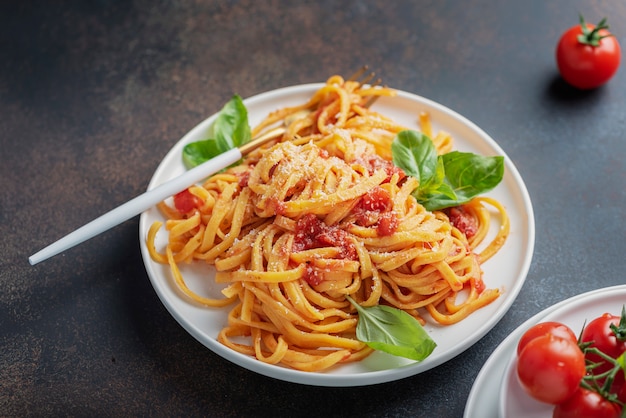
<point>322,213</point>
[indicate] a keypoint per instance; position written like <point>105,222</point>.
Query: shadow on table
<point>559,91</point>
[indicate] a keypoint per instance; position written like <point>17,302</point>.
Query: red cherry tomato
<point>586,403</point>
<point>588,55</point>
<point>602,336</point>
<point>550,368</point>
<point>550,327</point>
<point>185,201</point>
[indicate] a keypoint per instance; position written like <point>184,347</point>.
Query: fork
<point>152,197</point>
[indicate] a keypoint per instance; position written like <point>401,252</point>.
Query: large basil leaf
<point>393,331</point>
<point>446,180</point>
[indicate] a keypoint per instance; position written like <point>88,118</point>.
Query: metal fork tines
<point>364,78</point>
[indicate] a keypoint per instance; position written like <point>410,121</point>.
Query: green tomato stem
<point>608,376</point>
<point>592,37</point>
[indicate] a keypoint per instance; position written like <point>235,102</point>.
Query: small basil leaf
<point>231,126</point>
<point>229,130</point>
<point>393,331</point>
<point>198,152</point>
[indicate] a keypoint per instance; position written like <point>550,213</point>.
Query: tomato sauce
<point>312,276</point>
<point>387,224</point>
<point>185,201</point>
<point>463,220</point>
<point>376,162</point>
<point>374,208</point>
<point>312,232</point>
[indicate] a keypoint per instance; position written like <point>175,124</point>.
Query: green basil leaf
<point>438,201</point>
<point>415,153</point>
<point>470,174</point>
<point>393,331</point>
<point>436,181</point>
<point>198,152</point>
<point>231,126</point>
<point>467,176</point>
<point>229,130</point>
<point>447,180</point>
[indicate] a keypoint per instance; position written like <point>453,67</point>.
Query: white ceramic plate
<point>486,398</point>
<point>507,270</point>
<point>514,402</point>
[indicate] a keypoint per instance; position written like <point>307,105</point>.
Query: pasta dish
<point>320,214</point>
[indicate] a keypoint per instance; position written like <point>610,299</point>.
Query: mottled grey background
<point>94,93</point>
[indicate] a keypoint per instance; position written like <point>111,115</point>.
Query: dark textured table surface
<point>93,95</point>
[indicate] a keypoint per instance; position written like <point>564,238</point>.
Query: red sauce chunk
<point>387,224</point>
<point>463,220</point>
<point>185,201</point>
<point>312,276</point>
<point>374,208</point>
<point>312,232</point>
<point>377,200</point>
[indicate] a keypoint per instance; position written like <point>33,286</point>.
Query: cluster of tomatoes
<point>581,376</point>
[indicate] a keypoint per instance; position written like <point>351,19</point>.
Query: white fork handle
<point>137,205</point>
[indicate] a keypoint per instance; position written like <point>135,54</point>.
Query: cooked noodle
<point>319,214</point>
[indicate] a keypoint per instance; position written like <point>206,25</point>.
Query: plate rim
<point>374,376</point>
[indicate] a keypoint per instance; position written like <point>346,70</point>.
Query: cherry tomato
<point>602,336</point>
<point>555,328</point>
<point>588,55</point>
<point>550,368</point>
<point>185,201</point>
<point>586,403</point>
